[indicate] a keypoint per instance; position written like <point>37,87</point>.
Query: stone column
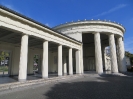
<point>81,60</point>
<point>77,56</point>
<point>114,66</point>
<point>121,55</point>
<point>103,56</point>
<point>23,59</point>
<point>60,60</point>
<point>45,60</point>
<point>98,53</point>
<point>105,60</point>
<point>70,62</point>
<point>65,66</point>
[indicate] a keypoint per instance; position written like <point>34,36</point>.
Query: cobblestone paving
<point>88,87</point>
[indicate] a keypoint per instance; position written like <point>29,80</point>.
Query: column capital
<point>24,34</point>
<point>45,40</point>
<point>59,44</point>
<point>110,33</point>
<point>120,37</point>
<point>70,47</point>
<point>77,50</point>
<point>95,32</point>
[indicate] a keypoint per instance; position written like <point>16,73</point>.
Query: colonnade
<point>115,66</point>
<point>114,63</point>
<point>24,54</point>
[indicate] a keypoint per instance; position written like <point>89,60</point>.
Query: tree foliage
<point>3,55</point>
<point>36,58</point>
<point>128,54</point>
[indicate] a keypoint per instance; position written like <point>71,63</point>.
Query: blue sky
<point>55,12</point>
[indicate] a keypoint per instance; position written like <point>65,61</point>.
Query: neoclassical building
<point>95,36</point>
<point>70,48</point>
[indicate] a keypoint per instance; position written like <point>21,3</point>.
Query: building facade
<point>65,49</point>
<point>95,36</point>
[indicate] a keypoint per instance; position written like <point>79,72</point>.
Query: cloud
<point>47,24</point>
<point>128,42</point>
<point>112,10</point>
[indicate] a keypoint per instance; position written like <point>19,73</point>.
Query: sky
<point>55,12</point>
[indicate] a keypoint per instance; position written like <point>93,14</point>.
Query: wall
<point>77,36</point>
<point>89,58</point>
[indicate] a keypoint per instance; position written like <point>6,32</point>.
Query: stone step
<point>10,86</point>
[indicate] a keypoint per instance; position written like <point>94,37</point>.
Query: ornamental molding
<point>91,28</point>
<point>91,22</point>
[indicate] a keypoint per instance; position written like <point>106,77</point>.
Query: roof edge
<point>36,22</point>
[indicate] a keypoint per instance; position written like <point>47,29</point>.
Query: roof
<point>27,18</point>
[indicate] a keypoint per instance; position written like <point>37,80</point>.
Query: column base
<point>21,80</point>
<point>100,73</point>
<point>65,74</point>
<point>70,74</point>
<point>59,75</point>
<point>44,77</point>
<point>113,73</point>
<point>78,73</point>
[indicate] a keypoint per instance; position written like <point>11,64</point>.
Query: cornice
<point>91,22</point>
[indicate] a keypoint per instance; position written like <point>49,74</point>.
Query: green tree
<point>130,55</point>
<point>3,56</point>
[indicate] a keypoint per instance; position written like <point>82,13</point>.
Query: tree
<point>3,56</point>
<point>130,55</point>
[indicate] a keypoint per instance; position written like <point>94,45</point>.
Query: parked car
<point>130,68</point>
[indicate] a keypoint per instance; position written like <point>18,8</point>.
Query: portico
<point>66,49</point>
<point>26,38</point>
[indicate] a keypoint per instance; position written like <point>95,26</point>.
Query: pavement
<point>6,79</point>
<point>88,86</point>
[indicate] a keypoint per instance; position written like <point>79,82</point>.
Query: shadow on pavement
<point>104,87</point>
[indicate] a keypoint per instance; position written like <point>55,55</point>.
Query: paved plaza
<point>89,86</point>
